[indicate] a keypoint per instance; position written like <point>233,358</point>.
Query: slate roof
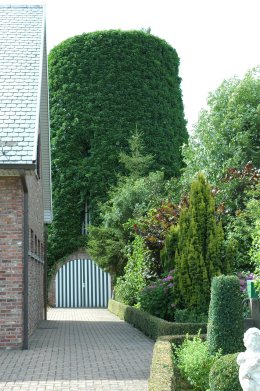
<point>21,47</point>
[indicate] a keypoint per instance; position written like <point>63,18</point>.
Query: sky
<point>215,39</point>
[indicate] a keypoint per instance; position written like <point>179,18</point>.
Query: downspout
<point>25,265</point>
<point>45,272</point>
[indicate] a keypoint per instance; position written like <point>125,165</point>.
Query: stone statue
<point>249,361</point>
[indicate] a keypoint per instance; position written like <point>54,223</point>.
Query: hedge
<point>224,375</point>
<point>150,325</point>
<point>225,322</point>
<point>162,373</point>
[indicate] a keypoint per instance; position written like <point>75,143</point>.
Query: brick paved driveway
<point>79,349</point>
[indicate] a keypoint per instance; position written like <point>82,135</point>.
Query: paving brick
<point>79,349</point>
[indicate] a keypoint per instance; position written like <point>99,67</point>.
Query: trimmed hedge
<point>224,374</point>
<point>162,373</point>
<point>150,325</point>
<point>225,323</point>
<point>165,375</point>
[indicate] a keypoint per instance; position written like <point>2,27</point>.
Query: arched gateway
<point>79,282</point>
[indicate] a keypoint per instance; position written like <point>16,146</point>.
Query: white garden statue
<point>249,361</point>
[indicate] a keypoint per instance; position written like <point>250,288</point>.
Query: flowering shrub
<point>243,278</point>
<point>157,298</point>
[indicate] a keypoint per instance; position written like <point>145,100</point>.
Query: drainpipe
<point>45,271</point>
<point>25,265</point>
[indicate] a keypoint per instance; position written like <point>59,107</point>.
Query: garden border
<point>152,326</point>
<point>162,369</point>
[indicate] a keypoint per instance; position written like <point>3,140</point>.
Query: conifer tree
<point>167,254</point>
<point>199,255</point>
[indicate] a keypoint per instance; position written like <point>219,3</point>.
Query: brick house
<point>25,178</point>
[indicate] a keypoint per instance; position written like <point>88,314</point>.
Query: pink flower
<point>169,278</point>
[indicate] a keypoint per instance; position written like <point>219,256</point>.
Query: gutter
<point>17,166</point>
<point>25,265</point>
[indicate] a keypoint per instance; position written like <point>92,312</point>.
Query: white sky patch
<point>215,39</point>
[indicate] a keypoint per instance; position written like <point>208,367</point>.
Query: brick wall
<point>11,258</point>
<point>36,251</point>
<point>11,262</point>
<point>36,299</point>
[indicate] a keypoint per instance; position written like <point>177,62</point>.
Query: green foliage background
<point>102,86</point>
<point>227,134</point>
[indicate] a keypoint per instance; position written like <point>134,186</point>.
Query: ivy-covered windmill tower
<point>103,86</point>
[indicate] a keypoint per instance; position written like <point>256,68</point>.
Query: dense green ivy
<point>103,86</point>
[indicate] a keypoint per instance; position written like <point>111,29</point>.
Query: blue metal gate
<point>81,283</point>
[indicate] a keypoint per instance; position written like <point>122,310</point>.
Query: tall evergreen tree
<point>199,255</point>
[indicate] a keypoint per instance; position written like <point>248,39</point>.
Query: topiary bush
<point>225,323</point>
<point>223,375</point>
<point>103,85</point>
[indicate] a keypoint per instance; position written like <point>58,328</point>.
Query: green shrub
<point>150,325</point>
<point>165,375</point>
<point>225,324</point>
<point>194,361</point>
<point>189,316</point>
<point>128,287</point>
<point>158,298</point>
<point>244,228</point>
<point>177,340</point>
<point>161,375</point>
<point>224,374</point>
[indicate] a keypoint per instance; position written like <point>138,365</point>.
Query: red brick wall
<point>11,262</point>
